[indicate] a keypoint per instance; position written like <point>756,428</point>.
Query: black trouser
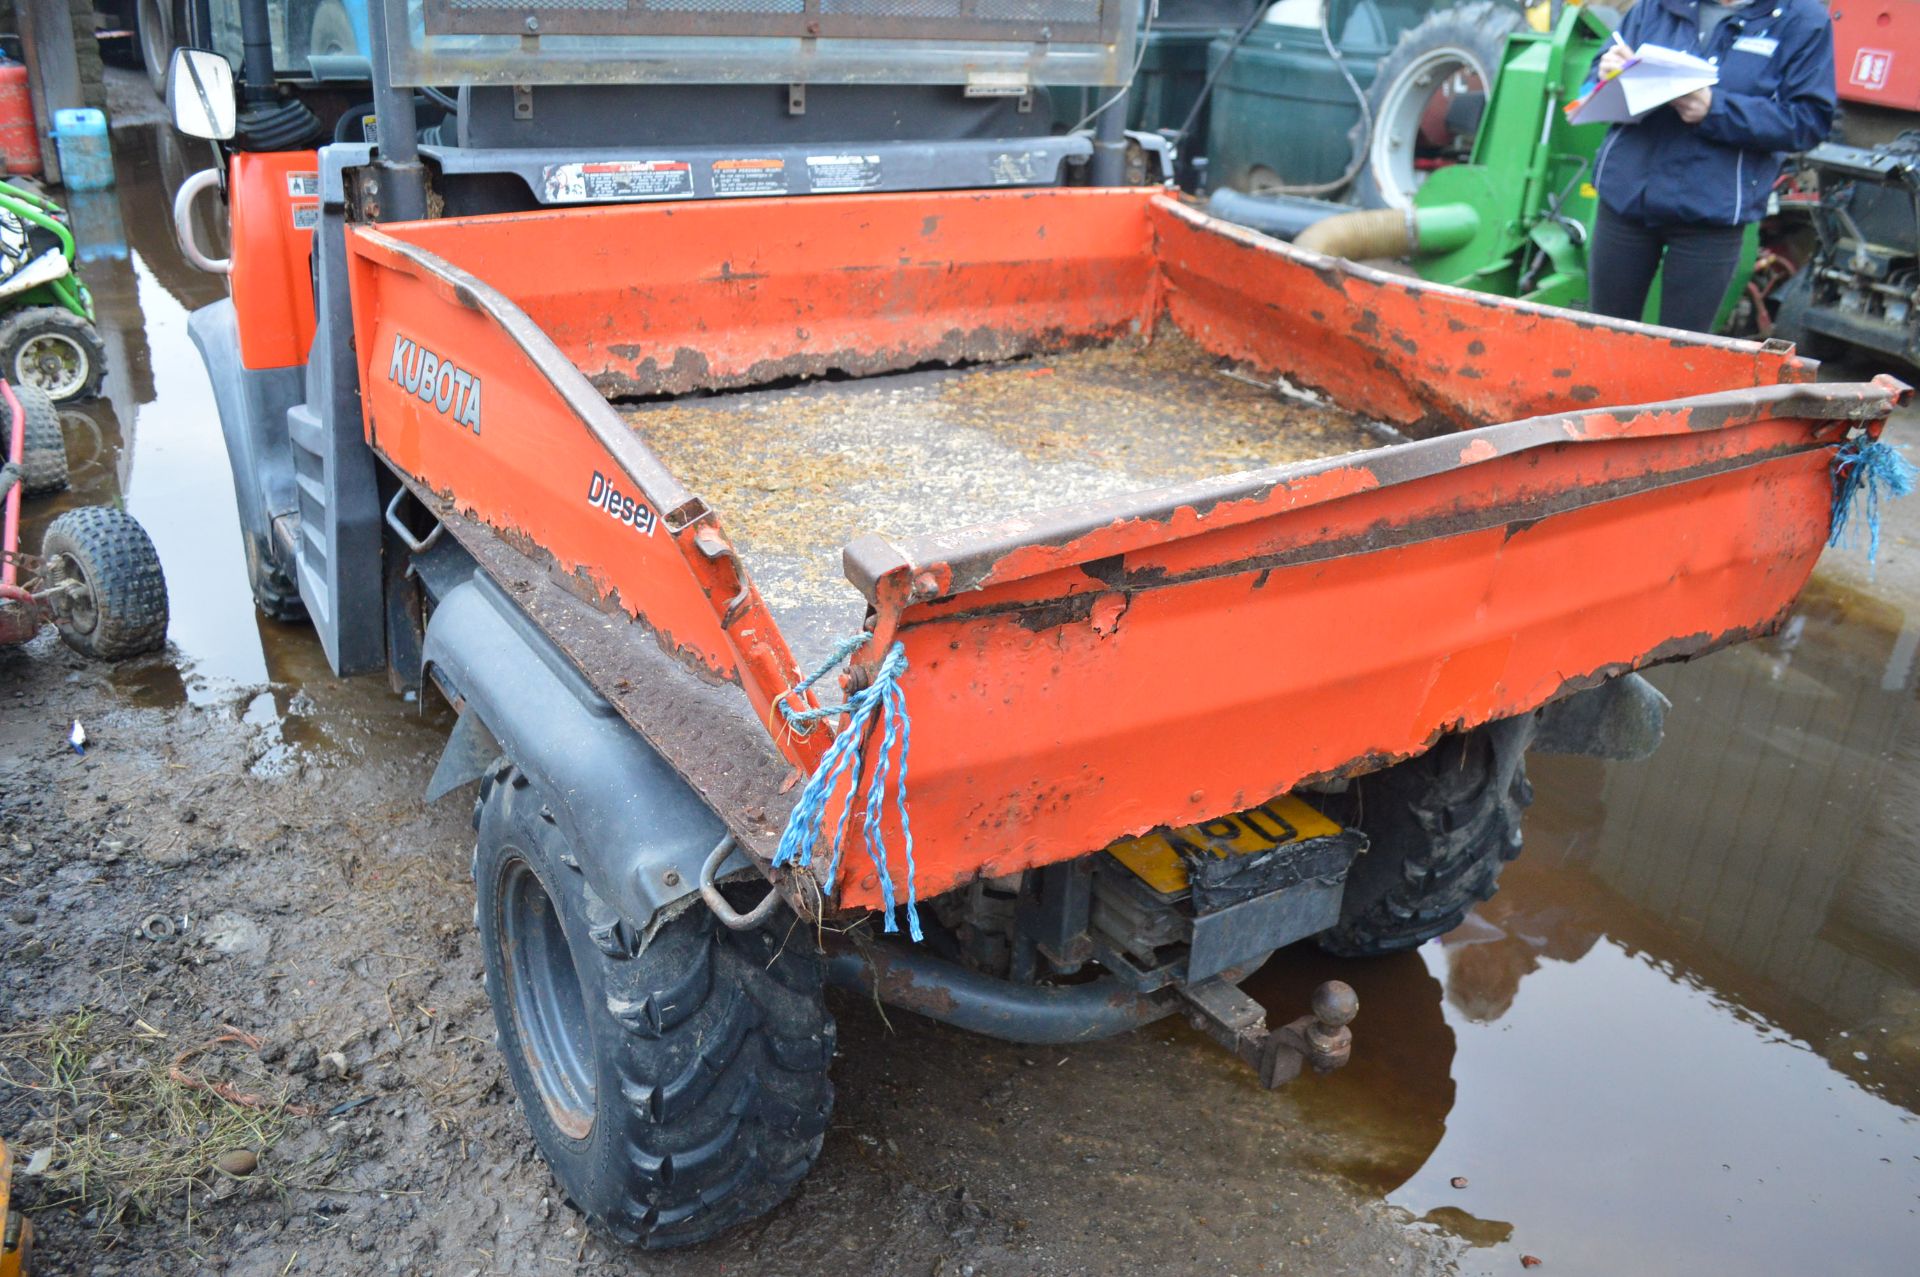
<point>1625,255</point>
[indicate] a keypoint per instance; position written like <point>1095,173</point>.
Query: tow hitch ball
<point>1231,1018</point>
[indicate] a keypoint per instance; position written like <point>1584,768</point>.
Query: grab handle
<point>205,179</point>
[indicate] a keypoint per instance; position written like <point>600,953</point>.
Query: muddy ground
<point>318,906</point>
<point>1685,1037</point>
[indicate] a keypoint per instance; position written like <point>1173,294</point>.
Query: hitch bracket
<point>1322,1040</point>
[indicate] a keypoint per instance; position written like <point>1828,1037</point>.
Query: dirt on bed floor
<point>798,472</point>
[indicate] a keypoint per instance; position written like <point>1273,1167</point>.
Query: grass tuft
<point>134,1124</point>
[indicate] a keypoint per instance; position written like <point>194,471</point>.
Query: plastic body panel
<point>274,197</point>
<point>338,547</point>
<point>253,405</point>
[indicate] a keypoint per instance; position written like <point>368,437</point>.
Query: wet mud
<point>1683,1038</point>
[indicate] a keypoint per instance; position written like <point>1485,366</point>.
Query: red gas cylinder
<point>19,140</point>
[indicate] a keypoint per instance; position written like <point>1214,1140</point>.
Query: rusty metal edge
<point>707,732</point>
<point>970,555</point>
<point>677,504</point>
<point>1515,516</point>
<point>1326,267</point>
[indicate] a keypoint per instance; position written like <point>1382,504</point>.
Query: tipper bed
<point>1109,472</point>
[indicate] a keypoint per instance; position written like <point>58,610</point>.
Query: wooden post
<point>53,69</point>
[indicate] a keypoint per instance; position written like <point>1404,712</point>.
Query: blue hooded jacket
<point>1775,97</point>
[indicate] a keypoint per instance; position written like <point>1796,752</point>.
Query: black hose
<point>1206,87</point>
<point>1281,216</point>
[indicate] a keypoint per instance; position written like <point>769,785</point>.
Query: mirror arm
<point>256,51</point>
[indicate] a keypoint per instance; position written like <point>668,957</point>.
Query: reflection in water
<point>1685,1036</point>
<point>152,443</point>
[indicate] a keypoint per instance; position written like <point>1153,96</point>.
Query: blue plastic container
<point>86,161</point>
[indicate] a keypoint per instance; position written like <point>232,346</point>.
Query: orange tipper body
<point>1580,497</point>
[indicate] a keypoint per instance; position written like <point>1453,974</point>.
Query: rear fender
<point>252,403</point>
<point>640,832</point>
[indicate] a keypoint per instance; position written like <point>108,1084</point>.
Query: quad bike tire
<point>43,462</point>
<point>1439,828</point>
<point>124,609</point>
<point>54,350</point>
<point>676,1087</point>
<point>1468,36</point>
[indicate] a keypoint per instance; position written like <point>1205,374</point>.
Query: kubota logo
<point>452,391</point>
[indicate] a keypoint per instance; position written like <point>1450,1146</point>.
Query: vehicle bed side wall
<point>667,300</point>
<point>1425,357</point>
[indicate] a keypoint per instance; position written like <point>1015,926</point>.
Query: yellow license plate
<point>1155,857</point>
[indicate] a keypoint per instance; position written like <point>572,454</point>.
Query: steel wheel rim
<point>1398,119</point>
<point>548,1004</point>
<point>53,362</point>
<point>82,612</point>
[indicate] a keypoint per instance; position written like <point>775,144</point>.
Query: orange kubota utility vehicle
<point>1196,595</point>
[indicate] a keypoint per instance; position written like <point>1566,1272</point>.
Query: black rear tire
<point>44,461</point>
<point>675,1091</point>
<point>123,611</point>
<point>1440,828</point>
<point>158,25</point>
<point>1468,38</point>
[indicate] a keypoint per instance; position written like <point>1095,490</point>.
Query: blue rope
<point>1866,465</point>
<point>796,717</point>
<point>842,764</point>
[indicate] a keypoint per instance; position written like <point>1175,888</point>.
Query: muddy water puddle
<point>152,443</point>
<point>1685,1035</point>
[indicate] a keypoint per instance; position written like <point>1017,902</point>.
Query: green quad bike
<point>47,337</point>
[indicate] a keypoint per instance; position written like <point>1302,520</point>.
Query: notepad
<point>1653,76</point>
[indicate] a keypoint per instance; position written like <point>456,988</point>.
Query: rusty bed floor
<point>796,473</point>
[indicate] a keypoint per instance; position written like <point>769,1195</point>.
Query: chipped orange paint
<point>1091,672</point>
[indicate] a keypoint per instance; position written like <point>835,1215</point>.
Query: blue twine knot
<point>845,759</point>
<point>1866,465</point>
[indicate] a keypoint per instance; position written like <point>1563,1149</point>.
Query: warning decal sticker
<point>750,176</point>
<point>1871,68</point>
<point>619,180</point>
<point>827,173</point>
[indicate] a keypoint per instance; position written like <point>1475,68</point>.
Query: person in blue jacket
<point>1681,184</point>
